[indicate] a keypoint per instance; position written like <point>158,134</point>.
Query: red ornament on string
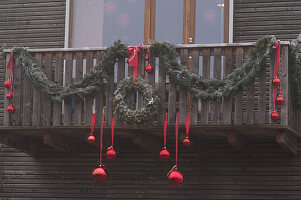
<point>8,96</point>
<point>111,154</point>
<point>91,139</point>
<point>7,84</point>
<point>149,68</point>
<point>175,177</point>
<point>100,174</point>
<point>276,81</point>
<point>10,109</point>
<point>146,58</point>
<point>274,116</point>
<point>280,100</point>
<point>164,154</point>
<point>186,142</point>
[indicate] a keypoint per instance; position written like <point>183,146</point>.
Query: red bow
<point>133,60</point>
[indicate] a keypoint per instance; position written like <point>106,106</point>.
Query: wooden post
<point>238,110</point>
<point>284,86</point>
<point>288,142</point>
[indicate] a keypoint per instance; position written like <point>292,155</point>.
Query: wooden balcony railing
<point>251,105</point>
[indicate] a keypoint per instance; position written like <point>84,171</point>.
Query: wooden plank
<point>271,87</point>
<point>36,95</point>
<point>217,74</point>
<point>88,102</point>
<point>78,103</point>
<point>99,98</point>
<point>284,86</point>
<point>109,96</point>
<point>172,98</point>
<point>250,104</point>
<point>27,101</point>
<point>16,117</point>
<point>149,20</point>
<point>238,110</point>
<point>206,74</point>
<point>152,77</point>
<point>58,78</point>
<point>288,142</point>
<point>261,113</point>
<point>228,101</point>
<point>183,94</point>
<point>161,90</point>
<point>6,120</point>
<point>68,79</point>
<point>141,72</point>
<point>239,141</point>
<point>120,77</point>
<point>47,69</point>
<point>195,69</point>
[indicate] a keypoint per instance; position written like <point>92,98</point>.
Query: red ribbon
<point>277,46</point>
<point>187,123</point>
<point>92,123</point>
<point>165,128</point>
<point>177,135</point>
<point>101,136</point>
<point>133,60</point>
<point>113,127</point>
<point>11,75</point>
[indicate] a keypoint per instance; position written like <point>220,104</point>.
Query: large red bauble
<point>186,142</point>
<point>99,174</point>
<point>91,139</point>
<point>146,57</point>
<point>280,100</point>
<point>8,96</point>
<point>274,116</point>
<point>175,178</point>
<point>276,81</point>
<point>7,84</point>
<point>148,69</point>
<point>10,109</point>
<point>111,154</point>
<point>164,154</point>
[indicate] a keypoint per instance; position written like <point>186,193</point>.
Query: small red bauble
<point>164,154</point>
<point>111,154</point>
<point>10,109</point>
<point>91,139</point>
<point>8,96</point>
<point>276,81</point>
<point>148,69</point>
<point>175,178</point>
<point>7,84</point>
<point>280,100</point>
<point>274,116</point>
<point>146,57</point>
<point>99,174</point>
<point>186,142</point>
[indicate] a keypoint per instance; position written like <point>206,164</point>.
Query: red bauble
<point>276,81</point>
<point>7,84</point>
<point>146,57</point>
<point>8,96</point>
<point>148,69</point>
<point>10,109</point>
<point>274,116</point>
<point>164,154</point>
<point>186,142</point>
<point>99,174</point>
<point>175,178</point>
<point>91,139</point>
<point>111,154</point>
<point>280,100</point>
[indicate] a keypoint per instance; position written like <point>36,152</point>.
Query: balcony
<point>243,116</point>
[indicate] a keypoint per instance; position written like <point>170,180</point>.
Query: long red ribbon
<point>187,123</point>
<point>113,127</point>
<point>277,46</point>
<point>165,128</point>
<point>101,136</point>
<point>92,122</point>
<point>177,135</point>
<point>11,75</point>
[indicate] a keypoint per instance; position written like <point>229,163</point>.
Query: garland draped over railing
<point>200,87</point>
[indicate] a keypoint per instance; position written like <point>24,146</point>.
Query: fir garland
<point>150,100</point>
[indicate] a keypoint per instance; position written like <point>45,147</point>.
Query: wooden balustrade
<point>250,105</point>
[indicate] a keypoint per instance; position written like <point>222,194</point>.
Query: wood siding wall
<point>256,18</point>
<point>30,23</point>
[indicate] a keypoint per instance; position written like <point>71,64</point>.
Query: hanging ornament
<point>146,58</point>
<point>100,174</point>
<point>8,96</point>
<point>111,153</point>
<point>186,141</point>
<point>10,109</point>
<point>164,154</point>
<point>133,60</point>
<point>91,138</point>
<point>149,68</point>
<point>275,116</point>
<point>7,84</point>
<point>276,81</point>
<point>175,177</point>
<point>279,100</point>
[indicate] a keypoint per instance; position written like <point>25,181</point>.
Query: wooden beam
<point>148,142</point>
<point>226,20</point>
<point>199,144</point>
<point>149,20</point>
<point>189,21</point>
<point>59,142</point>
<point>288,142</point>
<point>239,142</point>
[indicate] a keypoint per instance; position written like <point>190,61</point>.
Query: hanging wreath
<point>150,100</point>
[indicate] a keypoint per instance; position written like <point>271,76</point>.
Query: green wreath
<point>150,100</point>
